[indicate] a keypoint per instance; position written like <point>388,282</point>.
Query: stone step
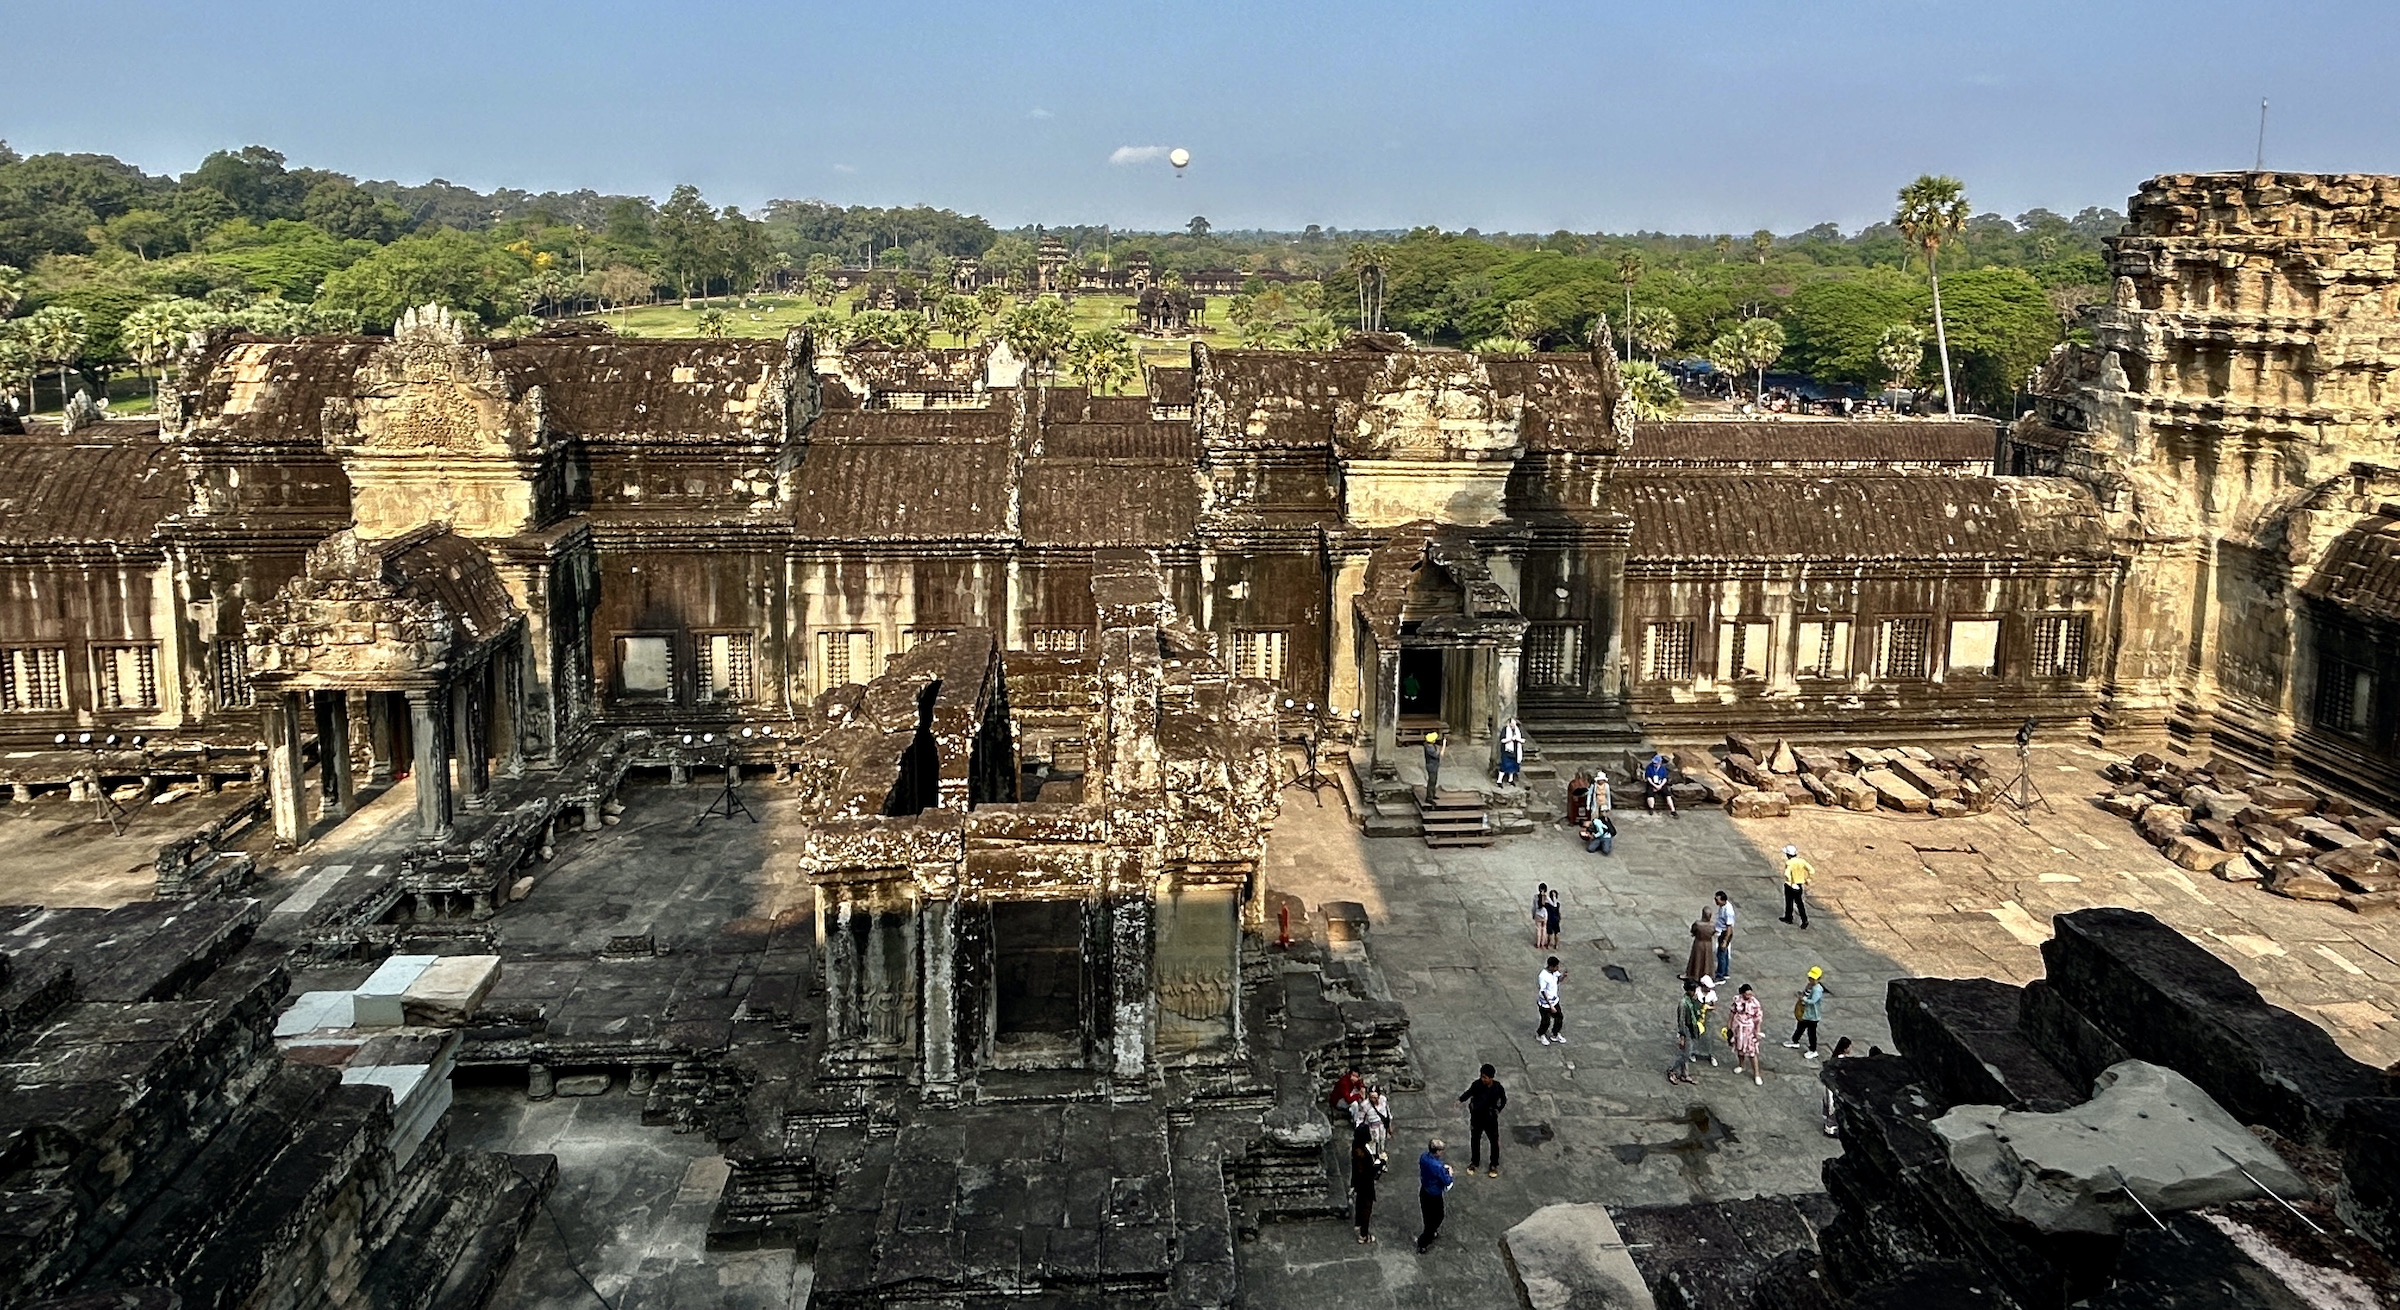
<point>258,1236</point>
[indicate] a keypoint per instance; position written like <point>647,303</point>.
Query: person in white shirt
<point>1552,1028</point>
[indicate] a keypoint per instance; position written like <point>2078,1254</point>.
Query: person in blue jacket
<point>1655,777</point>
<point>1434,1179</point>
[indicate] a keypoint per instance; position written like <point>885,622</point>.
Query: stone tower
<point>2237,417</point>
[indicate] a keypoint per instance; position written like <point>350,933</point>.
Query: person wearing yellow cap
<point>1795,885</point>
<point>1433,764</point>
<point>1807,1008</point>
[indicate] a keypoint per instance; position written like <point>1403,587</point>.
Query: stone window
<point>646,668</point>
<point>911,638</point>
<point>1037,968</point>
<point>1901,648</point>
<point>1824,649</point>
<point>1742,649</point>
<point>727,663</point>
<point>1554,655</point>
<point>2059,641</point>
<point>33,678</point>
<point>2345,697</point>
<point>1667,651</point>
<point>845,656</point>
<point>125,676</point>
<point>1058,641</point>
<point>233,675</point>
<point>1975,646</point>
<point>1260,653</point>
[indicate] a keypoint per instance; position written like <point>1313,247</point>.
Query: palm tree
<point>1933,212</point>
<point>1751,347</point>
<point>1357,262</point>
<point>715,323</point>
<point>155,333</point>
<point>1650,392</point>
<point>59,335</point>
<point>17,363</point>
<point>1654,329</point>
<point>1629,271</point>
<point>1762,244</point>
<point>12,289</point>
<point>1520,320</point>
<point>1723,245</point>
<point>1901,349</point>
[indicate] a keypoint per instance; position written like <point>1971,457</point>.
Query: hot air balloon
<point>1180,158</point>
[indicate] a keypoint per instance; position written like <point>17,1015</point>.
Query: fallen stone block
<point>2197,854</point>
<point>1742,743</point>
<point>2147,1130</point>
<point>583,1084</point>
<point>1759,805</point>
<point>1853,792</point>
<point>1744,769</point>
<point>1569,1256</point>
<point>1783,760</point>
<point>2325,836</point>
<point>1892,791</point>
<point>2370,904</point>
<point>2361,869</point>
<point>1812,761</point>
<point>1818,789</point>
<point>2366,823</point>
<point>1945,808</point>
<point>1965,1035</point>
<point>2278,798</point>
<point>2223,834</point>
<point>1917,753</point>
<point>2302,882</point>
<point>1794,790</point>
<point>2163,823</point>
<point>1925,778</point>
<point>2242,868</point>
<point>1863,758</point>
<point>2209,803</point>
<point>2125,806</point>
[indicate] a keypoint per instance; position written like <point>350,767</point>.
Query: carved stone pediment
<point>1432,406</point>
<point>433,391</point>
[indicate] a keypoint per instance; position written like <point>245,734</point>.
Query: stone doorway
<point>1038,1001</point>
<point>1421,676</point>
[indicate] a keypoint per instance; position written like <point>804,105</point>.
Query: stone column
<point>508,712</point>
<point>429,723</point>
<point>333,752</point>
<point>1507,668</point>
<point>1129,925</point>
<point>939,1005</point>
<point>280,716</point>
<point>467,712</point>
<point>1387,708</point>
<point>379,737</point>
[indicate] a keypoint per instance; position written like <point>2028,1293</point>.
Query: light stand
<point>1312,779</point>
<point>2022,791</point>
<point>104,806</point>
<point>728,801</point>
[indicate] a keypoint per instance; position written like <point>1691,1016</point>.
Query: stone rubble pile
<point>2230,822</point>
<point>1760,779</point>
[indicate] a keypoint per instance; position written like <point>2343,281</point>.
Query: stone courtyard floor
<point>1595,1120</point>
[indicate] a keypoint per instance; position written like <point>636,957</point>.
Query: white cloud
<point>1123,155</point>
<point>1038,112</point>
<point>845,168</point>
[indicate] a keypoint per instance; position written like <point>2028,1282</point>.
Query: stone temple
<point>1028,669</point>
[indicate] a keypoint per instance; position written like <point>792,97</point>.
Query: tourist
<point>1706,990</point>
<point>1724,925</point>
<point>1552,1028</point>
<point>1373,1114</point>
<point>1433,1183</point>
<point>1578,797</point>
<point>1553,911</point>
<point>1601,797</point>
<point>1484,1098</point>
<point>1687,1026</point>
<point>1512,753</point>
<point>1346,1089</point>
<point>1703,955</point>
<point>1749,1024</point>
<point>1795,885</point>
<point>1433,764</point>
<point>1655,777</point>
<point>1841,1051</point>
<point>1807,1008</point>
<point>1366,1165</point>
<point>1599,835</point>
<point>1541,916</point>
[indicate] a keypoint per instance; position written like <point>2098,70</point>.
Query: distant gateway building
<point>444,548</point>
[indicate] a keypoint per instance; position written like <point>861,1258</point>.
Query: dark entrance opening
<point>1037,969</point>
<point>1421,681</point>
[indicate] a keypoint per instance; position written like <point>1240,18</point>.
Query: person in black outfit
<point>1365,1168</point>
<point>1484,1098</point>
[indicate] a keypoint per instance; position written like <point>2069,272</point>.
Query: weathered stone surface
<point>2147,1130</point>
<point>2242,868</point>
<point>582,1084</point>
<point>1760,805</point>
<point>1944,808</point>
<point>2198,854</point>
<point>1784,759</point>
<point>1812,760</point>
<point>2324,835</point>
<point>1925,778</point>
<point>2209,803</point>
<point>1569,1257</point>
<point>2361,868</point>
<point>2161,824</point>
<point>2368,1198</point>
<point>2166,1000</point>
<point>2281,799</point>
<point>2302,882</point>
<point>1863,758</point>
<point>1853,792</point>
<point>1892,791</point>
<point>447,993</point>
<point>1964,1036</point>
<point>2125,805</point>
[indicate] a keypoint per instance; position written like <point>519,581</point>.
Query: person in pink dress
<point>1749,1022</point>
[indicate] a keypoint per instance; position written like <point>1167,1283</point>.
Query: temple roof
<point>1858,517</point>
<point>110,484</point>
<point>1095,502</point>
<point>2361,573</point>
<point>1770,441</point>
<point>605,386</point>
<point>904,491</point>
<point>260,390</point>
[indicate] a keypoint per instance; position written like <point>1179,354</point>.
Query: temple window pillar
<point>429,728</point>
<point>280,717</point>
<point>333,753</point>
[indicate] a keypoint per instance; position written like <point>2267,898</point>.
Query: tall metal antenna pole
<point>2262,134</point>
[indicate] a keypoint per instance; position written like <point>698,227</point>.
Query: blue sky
<point>1678,115</point>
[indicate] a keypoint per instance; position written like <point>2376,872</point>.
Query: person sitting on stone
<point>1657,775</point>
<point>1349,1088</point>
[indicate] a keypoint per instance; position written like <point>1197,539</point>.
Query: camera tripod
<point>728,801</point>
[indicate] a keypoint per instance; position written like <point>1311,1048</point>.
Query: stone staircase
<point>1456,818</point>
